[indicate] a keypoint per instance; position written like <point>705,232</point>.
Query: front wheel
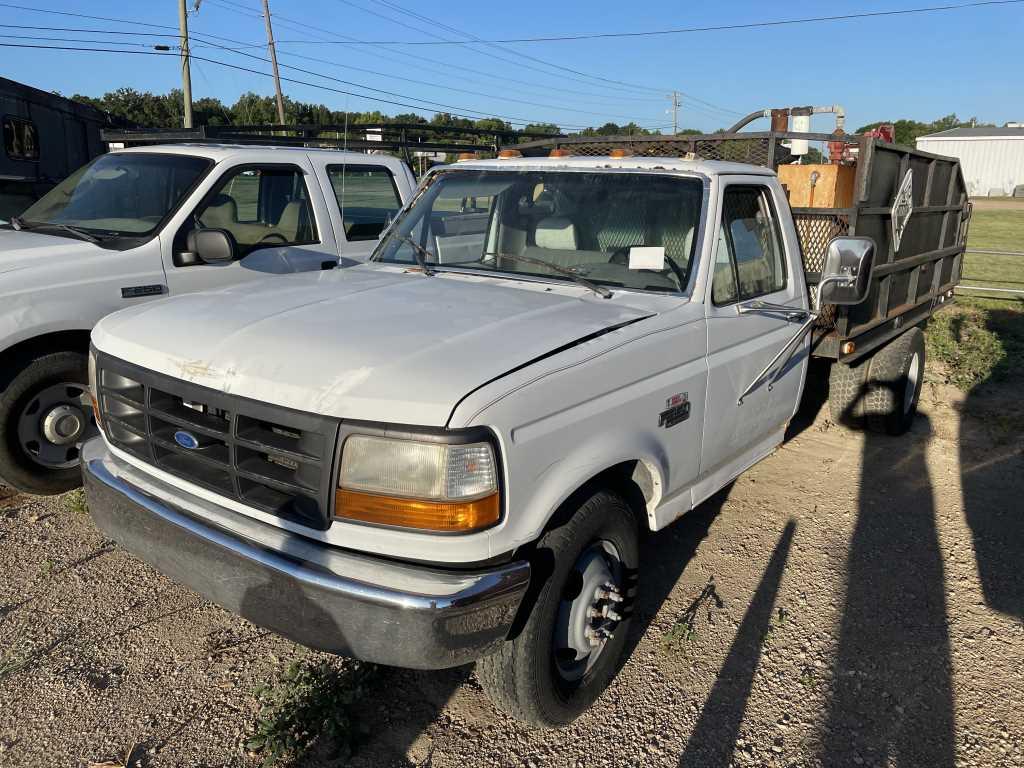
<point>571,646</point>
<point>45,413</point>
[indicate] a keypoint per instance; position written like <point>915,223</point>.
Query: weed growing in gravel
<point>778,621</point>
<point>311,703</point>
<point>75,502</point>
<point>684,631</point>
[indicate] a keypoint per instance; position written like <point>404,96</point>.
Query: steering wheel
<point>273,237</point>
<point>620,256</point>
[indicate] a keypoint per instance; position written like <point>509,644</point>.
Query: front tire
<point>568,652</point>
<point>45,411</point>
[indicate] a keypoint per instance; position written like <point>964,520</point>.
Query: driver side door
<point>277,225</point>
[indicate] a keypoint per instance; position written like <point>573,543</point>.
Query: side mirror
<point>208,246</point>
<point>846,277</point>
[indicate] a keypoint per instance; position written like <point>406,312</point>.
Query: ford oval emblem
<point>186,439</point>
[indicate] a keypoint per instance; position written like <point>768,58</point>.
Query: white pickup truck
<point>450,453</point>
<point>139,224</point>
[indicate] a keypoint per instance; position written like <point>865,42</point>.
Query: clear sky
<point>923,66</point>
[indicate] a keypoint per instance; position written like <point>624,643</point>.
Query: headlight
<point>412,484</point>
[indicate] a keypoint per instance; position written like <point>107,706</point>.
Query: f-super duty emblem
<point>677,409</point>
<point>138,291</point>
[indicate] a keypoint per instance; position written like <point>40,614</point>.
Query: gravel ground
<point>852,600</point>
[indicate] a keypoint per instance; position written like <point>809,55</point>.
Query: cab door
<point>277,217</point>
<point>754,259</point>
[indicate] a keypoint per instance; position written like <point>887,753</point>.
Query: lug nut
<point>613,615</point>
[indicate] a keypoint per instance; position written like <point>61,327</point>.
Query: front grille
<point>271,458</point>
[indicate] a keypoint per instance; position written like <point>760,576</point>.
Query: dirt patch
<point>852,600</point>
<point>998,203</point>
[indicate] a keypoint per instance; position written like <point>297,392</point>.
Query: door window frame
<point>217,188</point>
<point>766,194</point>
<point>331,167</point>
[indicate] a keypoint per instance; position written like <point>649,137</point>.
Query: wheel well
<point>57,341</point>
<point>630,479</point>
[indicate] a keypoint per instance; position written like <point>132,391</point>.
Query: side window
<point>750,242</point>
<point>367,197</point>
<point>261,207</point>
<point>21,140</point>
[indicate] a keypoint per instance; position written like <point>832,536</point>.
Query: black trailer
<point>46,137</point>
<point>911,278</point>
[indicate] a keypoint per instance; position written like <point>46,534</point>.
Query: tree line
<point>152,110</point>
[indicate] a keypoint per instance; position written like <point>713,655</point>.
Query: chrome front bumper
<point>317,595</point>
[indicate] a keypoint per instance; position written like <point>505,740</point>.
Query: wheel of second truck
<point>571,646</point>
<point>45,412</point>
<point>894,383</point>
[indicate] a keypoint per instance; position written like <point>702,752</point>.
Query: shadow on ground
<point>991,458</point>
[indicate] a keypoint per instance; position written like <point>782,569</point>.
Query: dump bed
<point>909,281</point>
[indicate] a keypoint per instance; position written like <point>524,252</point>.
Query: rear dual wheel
<point>881,392</point>
<point>573,642</point>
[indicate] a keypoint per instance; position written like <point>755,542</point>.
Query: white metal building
<point>992,158</point>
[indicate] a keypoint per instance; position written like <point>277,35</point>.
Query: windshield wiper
<point>419,253</point>
<point>600,290</point>
<point>81,234</point>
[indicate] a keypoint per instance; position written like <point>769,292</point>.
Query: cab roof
<point>698,166</point>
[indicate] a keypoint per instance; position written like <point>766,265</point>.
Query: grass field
<point>996,230</point>
<point>979,338</point>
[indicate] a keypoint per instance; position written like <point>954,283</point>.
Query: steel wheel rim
<point>913,374</point>
<point>53,422</point>
<point>589,611</point>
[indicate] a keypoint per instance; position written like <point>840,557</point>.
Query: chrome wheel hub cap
<point>63,424</point>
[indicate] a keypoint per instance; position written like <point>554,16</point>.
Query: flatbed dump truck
<point>449,453</point>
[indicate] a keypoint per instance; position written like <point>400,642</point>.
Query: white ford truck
<point>128,228</point>
<point>449,453</point>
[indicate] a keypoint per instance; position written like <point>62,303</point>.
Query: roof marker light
<point>508,154</point>
<point>559,153</point>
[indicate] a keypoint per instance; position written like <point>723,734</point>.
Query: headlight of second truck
<point>426,486</point>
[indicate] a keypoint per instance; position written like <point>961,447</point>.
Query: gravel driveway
<point>851,600</point>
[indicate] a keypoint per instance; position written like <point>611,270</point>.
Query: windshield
<point>628,230</point>
<point>121,194</point>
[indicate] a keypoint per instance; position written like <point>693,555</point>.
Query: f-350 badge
<point>677,409</point>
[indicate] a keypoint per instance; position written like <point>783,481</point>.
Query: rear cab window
<point>367,197</point>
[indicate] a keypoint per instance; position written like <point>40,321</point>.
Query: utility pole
<point>186,73</point>
<point>273,62</point>
<point>675,112</point>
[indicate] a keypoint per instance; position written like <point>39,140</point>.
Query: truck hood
<point>359,343</point>
<point>19,250</point>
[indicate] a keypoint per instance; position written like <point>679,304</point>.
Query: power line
<point>467,44</point>
<point>282,19</point>
<point>709,104</point>
<point>689,30</point>
<point>404,96</point>
<point>467,115</point>
<point>505,80</point>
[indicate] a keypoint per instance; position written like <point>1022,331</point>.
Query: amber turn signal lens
<point>507,154</point>
<point>559,153</point>
<point>438,516</point>
<point>619,153</point>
